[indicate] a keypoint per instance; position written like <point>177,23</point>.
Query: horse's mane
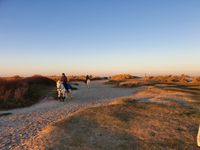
<point>59,84</point>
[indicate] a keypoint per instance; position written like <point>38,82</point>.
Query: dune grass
<point>131,81</point>
<point>131,125</point>
<point>78,78</point>
<point>21,92</point>
<point>167,120</point>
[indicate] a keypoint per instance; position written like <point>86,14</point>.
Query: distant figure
<point>64,78</point>
<point>65,83</point>
<point>87,81</point>
<point>198,137</point>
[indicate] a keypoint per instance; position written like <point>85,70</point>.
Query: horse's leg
<point>61,96</point>
<point>88,84</point>
<point>66,93</point>
<point>70,93</point>
<point>64,96</point>
<point>58,94</point>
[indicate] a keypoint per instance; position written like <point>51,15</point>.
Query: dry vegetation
<point>19,92</point>
<point>128,81</point>
<point>196,80</point>
<point>77,78</point>
<point>121,77</point>
<point>160,116</point>
<point>157,117</point>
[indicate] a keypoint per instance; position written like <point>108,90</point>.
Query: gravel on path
<point>25,123</point>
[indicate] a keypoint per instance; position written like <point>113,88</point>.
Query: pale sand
<point>26,123</point>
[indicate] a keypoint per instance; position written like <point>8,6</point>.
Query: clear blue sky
<point>99,37</point>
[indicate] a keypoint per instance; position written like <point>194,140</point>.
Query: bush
<point>196,80</point>
<point>182,79</point>
<point>121,77</point>
<point>21,92</point>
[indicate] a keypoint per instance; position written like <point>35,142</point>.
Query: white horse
<point>88,83</point>
<point>62,92</point>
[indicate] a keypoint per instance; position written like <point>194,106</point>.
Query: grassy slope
<point>128,124</point>
<point>25,91</point>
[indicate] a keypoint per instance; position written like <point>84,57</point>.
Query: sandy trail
<point>25,123</point>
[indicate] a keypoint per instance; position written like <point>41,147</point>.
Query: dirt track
<point>26,123</point>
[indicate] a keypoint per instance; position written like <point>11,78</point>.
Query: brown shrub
<point>40,80</point>
<point>77,78</point>
<point>182,79</point>
<point>22,91</point>
<point>121,77</point>
<point>122,81</point>
<point>196,80</point>
<point>132,83</point>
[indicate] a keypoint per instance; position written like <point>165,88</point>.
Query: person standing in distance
<point>87,81</point>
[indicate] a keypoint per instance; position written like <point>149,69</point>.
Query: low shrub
<point>196,80</point>
<point>22,92</point>
<point>122,77</point>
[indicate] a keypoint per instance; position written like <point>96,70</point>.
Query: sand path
<point>26,123</point>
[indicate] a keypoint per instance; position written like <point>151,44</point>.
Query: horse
<point>88,83</point>
<point>63,91</point>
